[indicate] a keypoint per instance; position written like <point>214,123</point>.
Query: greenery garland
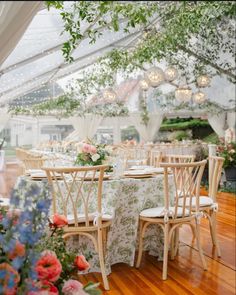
<point>66,106</point>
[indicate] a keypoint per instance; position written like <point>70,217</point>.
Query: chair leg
<point>176,241</point>
<point>101,260</point>
<point>166,249</point>
<point>140,246</point>
<point>193,230</point>
<point>173,246</point>
<point>212,222</point>
<point>199,246</point>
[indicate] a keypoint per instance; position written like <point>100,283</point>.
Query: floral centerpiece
<point>32,262</point>
<point>228,152</point>
<point>91,154</point>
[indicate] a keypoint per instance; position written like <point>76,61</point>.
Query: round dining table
<point>123,198</point>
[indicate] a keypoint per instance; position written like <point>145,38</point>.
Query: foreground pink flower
<point>73,287</point>
<point>81,263</point>
<point>14,215</point>
<point>45,288</point>
<point>48,268</point>
<point>10,273</point>
<point>59,220</point>
<point>18,251</point>
<point>86,148</point>
<point>93,149</point>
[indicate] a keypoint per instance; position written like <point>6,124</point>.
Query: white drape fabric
<point>85,127</point>
<point>147,132</point>
<point>4,118</point>
<point>217,123</point>
<point>14,20</point>
<point>231,120</point>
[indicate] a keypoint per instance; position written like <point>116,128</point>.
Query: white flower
<point>95,157</point>
<point>109,149</point>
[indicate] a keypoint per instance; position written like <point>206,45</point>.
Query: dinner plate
<point>140,167</point>
<point>138,176</point>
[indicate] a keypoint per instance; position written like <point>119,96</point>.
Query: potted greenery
<point>228,152</point>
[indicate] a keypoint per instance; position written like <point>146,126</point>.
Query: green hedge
<point>190,124</point>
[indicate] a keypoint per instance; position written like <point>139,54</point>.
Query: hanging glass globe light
<point>203,81</point>
<point>109,94</point>
<point>171,74</point>
<point>155,76</point>
<point>144,85</point>
<point>183,93</point>
<point>199,97</point>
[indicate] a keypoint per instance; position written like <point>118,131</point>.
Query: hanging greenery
<point>193,35</point>
<point>67,106</point>
<point>170,104</point>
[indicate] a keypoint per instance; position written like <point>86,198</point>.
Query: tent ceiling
<point>37,59</point>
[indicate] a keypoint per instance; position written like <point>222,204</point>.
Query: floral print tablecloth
<point>124,199</point>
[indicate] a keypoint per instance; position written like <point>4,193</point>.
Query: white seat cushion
<point>159,212</point>
<point>203,201</point>
<point>92,216</point>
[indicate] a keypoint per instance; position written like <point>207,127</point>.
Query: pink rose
<point>81,263</point>
<point>86,148</point>
<point>73,287</point>
<point>48,268</point>
<point>93,149</point>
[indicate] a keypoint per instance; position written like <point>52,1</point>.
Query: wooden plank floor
<point>185,274</point>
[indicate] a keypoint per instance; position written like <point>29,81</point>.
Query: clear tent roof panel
<point>38,54</point>
<point>42,34</point>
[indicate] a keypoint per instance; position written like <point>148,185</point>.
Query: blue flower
<point>17,262</point>
<point>11,281</point>
<point>2,275</point>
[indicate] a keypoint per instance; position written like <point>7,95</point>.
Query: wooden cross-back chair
<point>155,157</point>
<point>172,216</point>
<point>178,158</point>
<point>77,194</point>
<point>208,204</point>
<point>134,156</point>
<point>34,163</point>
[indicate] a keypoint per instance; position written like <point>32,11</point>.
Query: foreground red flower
<point>81,263</point>
<point>18,251</point>
<point>10,273</point>
<point>48,268</point>
<point>59,220</point>
<point>45,288</point>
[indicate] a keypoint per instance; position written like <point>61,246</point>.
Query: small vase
<point>230,173</point>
